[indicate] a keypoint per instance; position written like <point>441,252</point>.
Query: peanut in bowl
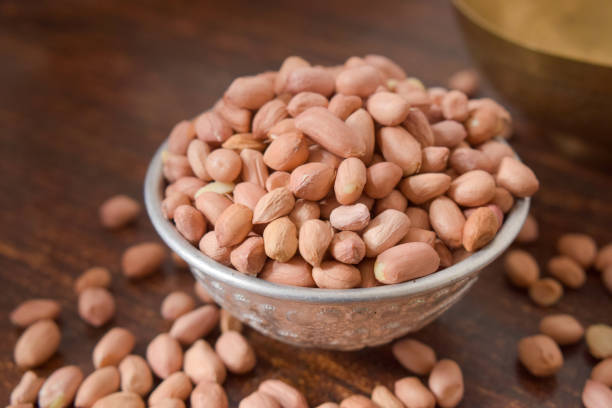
<point>343,319</point>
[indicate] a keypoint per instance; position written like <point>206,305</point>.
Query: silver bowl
<point>346,319</point>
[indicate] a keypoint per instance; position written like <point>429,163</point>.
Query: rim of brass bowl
<point>153,191</point>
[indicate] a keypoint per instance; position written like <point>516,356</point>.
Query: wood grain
<point>89,90</point>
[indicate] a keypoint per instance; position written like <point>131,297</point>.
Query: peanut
<point>286,152</point>
<point>286,395</point>
<point>310,79</point>
<point>596,395</point>
<point>180,136</point>
<point>197,152</point>
<point>381,179</point>
<point>387,108</point>
<point>59,389</point>
<point>275,204</point>
<point>304,100</point>
<point>141,260</point>
<point>295,272</point>
<point>135,375</point>
<point>344,105</point>
<point>96,306</point>
<point>567,271</point>
<point>448,133</point>
<point>311,181</point>
<point>417,125</point>
<point>254,169</point>
<point>195,324</point>
<point>530,231</point>
<point>238,118</point>
<point>122,399</point>
<point>250,92</point>
<point>350,180</point>
<point>400,147</point>
<point>564,329</point>
<point>303,211</point>
<point>395,200</point>
<point>405,262</point>
<point>580,247</point>
<point>472,189</point>
<point>248,194</point>
<point>446,383</point>
<point>336,275</point>
<point>258,399</point>
<point>521,268</point>
<point>176,304</point>
<point>235,352</point>
<point>314,239</point>
<point>280,239</point>
<point>384,231</point>
<point>277,179</point>
<point>517,178</point>
<point>241,141</point>
<point>164,355</point>
<point>423,187</point>
<point>413,393</point>
<point>233,225</point>
<point>415,356</point>
<point>177,385</point>
<point>37,344</point>
<point>362,125</point>
<point>208,395</point>
<point>202,364</point>
<point>97,276</point>
<point>211,128</point>
<point>384,398</point>
<point>118,211</point>
<point>212,205</point>
<point>189,222</point>
<point>97,385</point>
<point>211,248</point>
<point>361,81</point>
<point>347,247</point>
<point>357,401</point>
<point>604,258</point>
<point>465,81</point>
<point>540,355</point>
<point>447,220</point>
<point>479,228</point>
<point>33,310</point>
<point>113,347</point>
<point>602,372</point>
<point>599,340</point>
<point>26,391</point>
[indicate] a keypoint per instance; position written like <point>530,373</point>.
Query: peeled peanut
<point>521,268</point>
<point>479,229</point>
<point>446,257</point>
<point>275,204</point>
<point>289,64</point>
<point>517,178</point>
<point>417,125</point>
<point>267,117</point>
<point>249,92</point>
<point>336,275</point>
<point>454,106</point>
<point>419,235</point>
<point>278,179</point>
<point>26,391</point>
<point>344,105</point>
<point>381,179</point>
<point>113,347</point>
<point>446,383</point>
<point>400,147</point>
<point>197,152</point>
<point>362,125</point>
<point>395,200</point>
<point>350,180</point>
<point>304,100</point>
<point>603,258</point>
<point>208,394</point>
<point>118,211</point>
<point>540,355</point>
<point>286,152</point>
<point>413,393</point>
<point>177,385</point>
<point>180,136</point>
<point>602,372</point>
<point>317,154</point>
<point>435,159</point>
<point>314,239</point>
<point>464,159</point>
<point>195,324</point>
<point>382,397</point>
<point>503,199</point>
<point>97,276</point>
<point>37,344</point>
<point>212,205</point>
<point>59,389</point>
<point>233,225</point>
<point>124,399</point>
<point>280,239</point>
<point>530,231</point>
<point>258,399</point>
<point>248,194</point>
<point>311,181</point>
<point>361,81</point>
<point>174,167</point>
<point>141,260</point>
<point>33,310</point>
<point>96,306</point>
<point>447,220</point>
<point>249,257</point>
<point>545,292</point>
<point>347,247</point>
<point>189,222</point>
<point>465,81</point>
<point>387,108</point>
<point>350,217</point>
<point>389,68</point>
<point>135,375</point>
<point>235,352</point>
<point>241,141</point>
<point>294,272</point>
<point>448,133</point>
<point>238,118</point>
<point>303,211</point>
<point>567,271</point>
<point>176,304</point>
<point>310,79</point>
<point>211,128</point>
<point>580,247</point>
<point>423,187</point>
<point>384,231</point>
<point>164,355</point>
<point>564,329</point>
<point>202,364</point>
<point>414,355</point>
<point>286,395</point>
<point>172,202</point>
<point>254,169</point>
<point>97,385</point>
<point>599,340</point>
<point>419,218</point>
<point>596,395</point>
<point>211,248</point>
<point>472,189</point>
<point>223,165</point>
<point>406,262</point>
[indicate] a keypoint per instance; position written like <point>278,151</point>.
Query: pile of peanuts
<point>345,176</point>
<point>541,354</point>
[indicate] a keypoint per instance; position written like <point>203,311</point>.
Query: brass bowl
<point>551,59</point>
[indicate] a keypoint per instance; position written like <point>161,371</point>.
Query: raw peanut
<point>239,119</point>
<point>385,65</point>
<point>400,147</point>
<point>223,165</point>
<point>284,126</point>
<point>278,179</point>
<point>395,200</point>
<point>26,391</point>
<point>602,372</point>
<point>295,272</point>
<point>211,128</point>
<point>464,159</point>
<point>121,399</point>
<point>180,136</point>
<point>366,267</point>
<point>286,395</point>
<point>446,383</point>
<point>414,356</point>
<point>212,205</point>
<point>347,247</point>
<point>186,185</point>
<point>254,169</point>
<point>503,199</point>
<point>176,385</point>
<point>362,125</point>
<point>326,129</point>
<point>59,389</point>
<point>211,248</point>
<point>465,81</point>
<point>280,239</point>
<point>417,125</point>
<point>381,179</point>
<point>249,257</point>
<point>190,223</point>
<point>175,166</point>
<point>521,268</point>
<point>197,152</point>
<point>564,329</point>
<point>361,81</point>
<point>176,304</point>
<point>499,215</point>
<point>517,178</point>
<point>258,399</point>
<point>311,181</point>
<point>97,276</point>
<point>228,322</point>
<point>472,189</point>
<point>275,204</point>
<point>96,306</point>
<point>172,202</point>
<point>496,151</point>
<point>164,355</point>
<point>202,364</point>
<point>387,108</point>
<point>327,205</point>
<point>208,394</point>
<point>304,100</point>
<point>530,230</point>
<point>141,260</point>
<point>303,211</point>
<point>289,64</point>
<point>33,310</point>
<point>384,398</point>
<point>314,239</point>
<point>603,258</point>
<point>344,105</point>
<point>269,115</point>
<point>113,347</point>
<point>580,247</point>
<point>540,355</point>
<point>479,229</point>
<point>350,217</point>
<point>483,124</point>
<point>357,401</point>
<point>97,385</point>
<point>336,275</point>
<point>434,159</point>
<point>249,92</point>
<point>436,94</point>
<point>606,277</point>
<point>423,187</point>
<point>195,324</point>
<point>545,292</point>
<point>419,218</point>
<point>454,106</point>
<point>286,152</point>
<point>118,211</point>
<point>384,231</point>
<point>235,352</point>
<point>310,79</point>
<point>319,155</point>
<point>599,340</point>
<point>169,403</point>
<point>350,180</point>
<point>448,133</point>
<point>567,271</point>
<point>248,194</point>
<point>447,220</point>
<point>419,235</point>
<point>414,394</point>
<point>135,375</point>
<point>596,395</point>
<point>233,225</point>
<point>406,262</point>
<point>241,141</point>
<point>202,293</point>
<point>446,257</point>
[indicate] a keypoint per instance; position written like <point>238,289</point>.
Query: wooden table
<point>89,90</point>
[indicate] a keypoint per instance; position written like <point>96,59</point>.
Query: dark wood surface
<point>88,90</point>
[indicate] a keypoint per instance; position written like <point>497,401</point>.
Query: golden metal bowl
<point>552,59</point>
